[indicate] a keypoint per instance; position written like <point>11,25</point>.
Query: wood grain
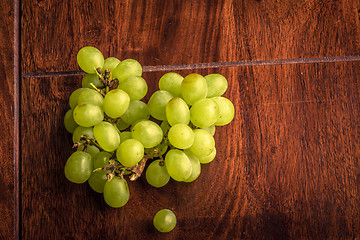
<point>182,32</point>
<point>287,166</point>
<point>6,123</point>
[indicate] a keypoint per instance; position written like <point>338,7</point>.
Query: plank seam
<point>245,63</point>
<point>17,104</point>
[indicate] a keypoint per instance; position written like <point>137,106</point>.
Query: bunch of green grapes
<point>118,134</point>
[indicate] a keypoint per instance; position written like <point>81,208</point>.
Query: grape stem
<point>138,169</point>
<point>88,141</point>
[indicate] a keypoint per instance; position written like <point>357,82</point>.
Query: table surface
<point>287,166</point>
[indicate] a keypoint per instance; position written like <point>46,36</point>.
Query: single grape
<point>195,164</point>
<point>90,59</point>
<point>116,102</point>
<point>130,152</point>
<point>211,129</point>
<point>78,167</point>
<point>107,136</point>
<point>116,192</point>
<point>193,88</point>
<point>121,125</point>
<point>91,96</point>
<point>110,64</point>
<point>91,78</point>
<point>148,133</point>
<point>135,87</point>
<point>92,150</point>
<point>164,220</point>
<point>73,100</point>
<point>204,113</point>
<point>203,144</point>
<point>181,136</point>
<point>217,85</point>
<point>101,159</point>
<point>208,158</point>
<point>171,82</point>
<point>82,131</point>
<point>137,110</point>
<point>87,115</point>
<point>97,180</point>
<point>177,111</point>
<point>125,135</point>
<point>127,68</point>
<point>226,111</point>
<point>69,122</point>
<point>157,104</point>
<point>156,174</point>
<point>178,165</point>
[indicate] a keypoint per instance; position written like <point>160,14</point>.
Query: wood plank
<point>7,120</point>
<point>183,32</point>
<point>287,167</point>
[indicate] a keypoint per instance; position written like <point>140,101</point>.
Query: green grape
<point>90,59</point>
<point>82,131</point>
<point>130,152</point>
<point>208,158</point>
<point>92,150</point>
<point>164,220</point>
<point>211,129</point>
<point>125,135</point>
<point>181,136</point>
<point>91,96</point>
<point>121,125</point>
<point>134,123</point>
<point>110,64</point>
<point>78,167</point>
<point>127,68</point>
<point>97,180</point>
<point>116,102</point>
<point>226,111</point>
<point>137,110</point>
<point>107,136</point>
<point>171,82</point>
<point>91,78</point>
<point>135,87</point>
<point>156,174</point>
<point>196,166</point>
<point>177,111</point>
<point>148,133</point>
<point>203,144</point>
<point>164,127</point>
<point>116,192</point>
<point>204,113</point>
<point>157,104</point>
<point>217,85</point>
<point>69,122</point>
<point>87,115</point>
<point>178,165</point>
<point>193,88</point>
<point>73,100</point>
<point>101,159</point>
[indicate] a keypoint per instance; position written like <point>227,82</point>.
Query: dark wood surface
<point>287,166</point>
<point>160,32</point>
<point>7,121</point>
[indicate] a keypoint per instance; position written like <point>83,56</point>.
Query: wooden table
<point>287,166</point>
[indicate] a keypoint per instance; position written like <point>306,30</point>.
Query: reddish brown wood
<point>7,120</point>
<point>287,167</point>
<point>181,32</point>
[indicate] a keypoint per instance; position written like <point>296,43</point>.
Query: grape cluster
<point>117,134</point>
